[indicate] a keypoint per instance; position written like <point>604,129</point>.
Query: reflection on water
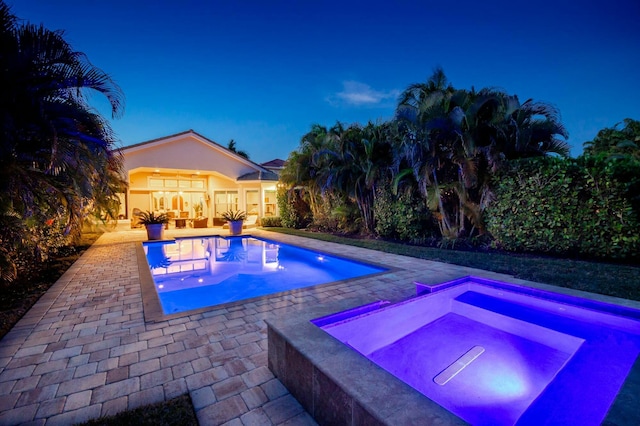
<point>188,263</point>
<point>196,272</point>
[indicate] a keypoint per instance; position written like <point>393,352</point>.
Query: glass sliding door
<point>270,203</point>
<point>223,201</point>
<point>253,202</point>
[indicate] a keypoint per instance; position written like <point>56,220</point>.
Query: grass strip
<point>175,412</point>
<point>596,277</point>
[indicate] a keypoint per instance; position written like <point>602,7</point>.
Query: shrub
<point>294,211</point>
<point>402,217</point>
<point>563,207</point>
<point>271,221</point>
<point>337,214</point>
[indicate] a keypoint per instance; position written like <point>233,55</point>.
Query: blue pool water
<point>192,273</point>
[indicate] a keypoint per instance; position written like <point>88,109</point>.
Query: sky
<point>262,72</point>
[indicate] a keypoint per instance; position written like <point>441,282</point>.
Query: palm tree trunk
<point>445,226</point>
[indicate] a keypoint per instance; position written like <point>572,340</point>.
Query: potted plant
<point>235,219</point>
<point>154,223</point>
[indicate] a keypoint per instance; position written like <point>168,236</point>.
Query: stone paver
<point>85,351</point>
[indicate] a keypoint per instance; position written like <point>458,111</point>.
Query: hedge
<point>565,207</point>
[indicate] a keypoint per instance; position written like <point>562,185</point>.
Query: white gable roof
<point>188,151</point>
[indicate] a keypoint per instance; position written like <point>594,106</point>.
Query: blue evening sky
<point>263,71</point>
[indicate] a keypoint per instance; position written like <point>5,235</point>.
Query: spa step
<point>510,324</point>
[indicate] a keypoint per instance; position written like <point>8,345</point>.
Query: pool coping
<point>337,385</point>
<point>152,307</point>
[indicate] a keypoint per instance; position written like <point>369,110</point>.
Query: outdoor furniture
<point>135,222</point>
<point>200,222</point>
<point>251,221</point>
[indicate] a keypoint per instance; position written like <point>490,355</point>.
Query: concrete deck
<point>85,351</point>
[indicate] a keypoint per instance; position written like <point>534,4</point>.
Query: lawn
<point>175,412</point>
<point>611,279</point>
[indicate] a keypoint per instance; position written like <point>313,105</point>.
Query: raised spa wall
<point>335,384</point>
<point>338,386</point>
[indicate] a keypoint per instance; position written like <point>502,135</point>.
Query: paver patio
<point>85,351</point>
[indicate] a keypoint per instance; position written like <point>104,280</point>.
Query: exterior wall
<point>187,152</point>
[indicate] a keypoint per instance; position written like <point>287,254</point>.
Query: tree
<point>339,168</point>
<point>233,148</point>
<point>301,168</point>
<point>354,159</point>
<point>57,158</point>
<point>616,141</point>
<point>617,151</point>
<point>454,140</point>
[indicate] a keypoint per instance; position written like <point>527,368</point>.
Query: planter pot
<point>235,227</point>
<point>155,231</point>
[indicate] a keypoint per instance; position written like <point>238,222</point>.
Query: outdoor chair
<point>135,222</point>
<point>251,221</point>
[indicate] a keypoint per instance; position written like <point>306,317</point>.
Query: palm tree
<point>456,139</point>
<point>233,148</point>
<point>348,164</point>
<point>302,167</point>
<point>421,150</point>
<point>57,156</point>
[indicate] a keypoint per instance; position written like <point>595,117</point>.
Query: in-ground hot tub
<point>489,352</point>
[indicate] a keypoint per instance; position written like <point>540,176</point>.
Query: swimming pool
<point>192,273</point>
<point>494,353</point>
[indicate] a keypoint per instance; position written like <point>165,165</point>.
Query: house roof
<point>259,176</point>
<point>275,163</point>
<point>255,170</point>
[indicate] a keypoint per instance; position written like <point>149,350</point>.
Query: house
<point>187,176</point>
<point>275,165</point>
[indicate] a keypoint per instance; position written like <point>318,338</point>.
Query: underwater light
<point>507,385</point>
